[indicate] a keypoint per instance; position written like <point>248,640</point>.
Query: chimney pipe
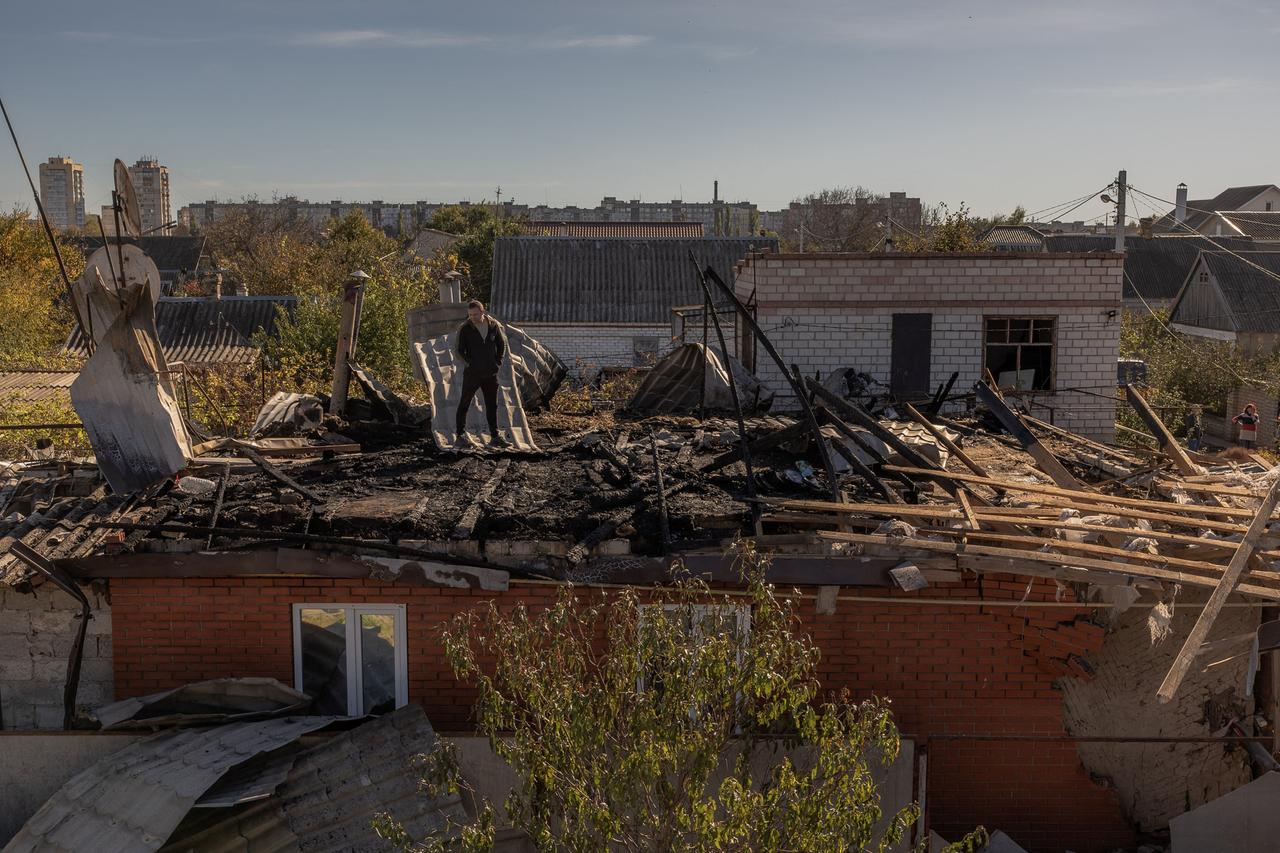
<point>1180,210</point>
<point>715,191</point>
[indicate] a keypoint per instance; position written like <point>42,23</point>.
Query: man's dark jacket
<point>483,356</point>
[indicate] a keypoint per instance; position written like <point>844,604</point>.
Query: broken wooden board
<point>1014,425</point>
<point>467,523</point>
<point>1168,444</point>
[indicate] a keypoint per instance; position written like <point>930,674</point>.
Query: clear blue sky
<point>991,103</point>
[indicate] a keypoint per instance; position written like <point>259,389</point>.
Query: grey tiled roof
<point>580,280</point>
<point>202,330</point>
<point>552,228</point>
<point>171,254</point>
<point>1016,237</point>
<point>1200,211</point>
<point>1154,267</point>
<point>1258,224</point>
<point>1250,286</point>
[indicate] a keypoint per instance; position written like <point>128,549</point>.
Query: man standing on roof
<point>481,344</point>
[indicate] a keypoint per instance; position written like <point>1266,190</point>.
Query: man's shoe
<point>498,441</point>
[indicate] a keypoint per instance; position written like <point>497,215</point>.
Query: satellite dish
<point>101,304</point>
<point>130,216</point>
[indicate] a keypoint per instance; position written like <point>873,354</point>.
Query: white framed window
<point>351,658</point>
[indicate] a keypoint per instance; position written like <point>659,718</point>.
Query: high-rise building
<point>62,192</point>
<point>151,183</point>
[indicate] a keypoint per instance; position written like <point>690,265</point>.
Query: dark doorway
<point>912,348</point>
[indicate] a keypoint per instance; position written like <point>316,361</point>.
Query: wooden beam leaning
<point>1044,459</point>
<point>1168,444</point>
<point>946,442</point>
<point>1200,631</point>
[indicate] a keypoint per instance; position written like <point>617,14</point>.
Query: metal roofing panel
<point>135,798</point>
<point>333,792</point>
<point>203,330</point>
<point>1154,267</point>
<point>1020,237</point>
<point>579,280</point>
<point>1258,224</point>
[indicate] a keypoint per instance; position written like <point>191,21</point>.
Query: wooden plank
<point>1075,494</point>
<point>946,442</point>
<point>1068,435</point>
<point>969,515</point>
<point>1168,444</point>
<point>1013,424</point>
<point>275,473</point>
<point>467,523</point>
<point>1200,631</point>
<point>902,546</point>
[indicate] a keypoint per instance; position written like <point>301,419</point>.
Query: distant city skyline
<point>991,103</point>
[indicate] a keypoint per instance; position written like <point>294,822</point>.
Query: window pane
<point>378,662</point>
<point>997,331</point>
<point>1039,360</point>
<point>1019,331</point>
<point>324,659</point>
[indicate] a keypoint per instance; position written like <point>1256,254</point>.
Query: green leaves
<point>674,719</point>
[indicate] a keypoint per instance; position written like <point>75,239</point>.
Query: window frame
<point>354,651</point>
<point>1031,319</point>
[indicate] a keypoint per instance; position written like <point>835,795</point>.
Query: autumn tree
<point>838,219</point>
<point>632,719</point>
<point>479,227</point>
<point>944,230</point>
<point>33,303</point>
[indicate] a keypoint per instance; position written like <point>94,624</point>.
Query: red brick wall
<point>948,670</point>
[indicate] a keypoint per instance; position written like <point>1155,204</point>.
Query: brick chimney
<point>1180,208</point>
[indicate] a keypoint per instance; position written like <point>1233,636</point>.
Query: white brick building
<point>1049,323</point>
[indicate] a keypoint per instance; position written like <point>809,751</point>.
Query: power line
<point>1210,212</point>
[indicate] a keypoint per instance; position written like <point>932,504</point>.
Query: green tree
<point>479,228</point>
<point>945,230</point>
<point>631,719</point>
<point>33,304</point>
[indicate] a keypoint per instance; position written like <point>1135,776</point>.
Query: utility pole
<point>1122,190</point>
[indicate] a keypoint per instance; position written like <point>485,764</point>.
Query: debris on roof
<point>692,378</point>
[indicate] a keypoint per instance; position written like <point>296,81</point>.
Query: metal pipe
<point>663,519</point>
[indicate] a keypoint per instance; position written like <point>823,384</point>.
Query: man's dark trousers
<point>487,384</point>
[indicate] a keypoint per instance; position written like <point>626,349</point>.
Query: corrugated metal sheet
<point>205,331</point>
<point>596,230</point>
<point>1021,238</point>
<point>576,280</point>
<point>32,386</point>
<point>135,798</point>
<point>692,376</point>
<point>328,803</point>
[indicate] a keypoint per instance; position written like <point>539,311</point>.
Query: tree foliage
<point>631,722</point>
<point>945,230</point>
<point>837,219</point>
<point>36,317</point>
<point>479,227</point>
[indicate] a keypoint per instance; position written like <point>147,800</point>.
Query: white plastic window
<point>350,658</point>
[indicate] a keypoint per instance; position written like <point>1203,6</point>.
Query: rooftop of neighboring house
<point>171,254</point>
<point>1014,237</point>
<point>37,386</point>
<point>1261,225</point>
<point>1201,211</point>
<point>553,228</point>
<point>1246,287</point>
<point>608,280</point>
<point>199,330</point>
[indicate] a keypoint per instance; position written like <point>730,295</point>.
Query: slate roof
<point>1200,211</point>
<point>1020,238</point>
<point>579,280</point>
<point>35,386</point>
<point>171,254</point>
<point>1154,267</point>
<point>553,228</point>
<point>199,330</point>
<point>1258,224</point>
<point>1251,294</point>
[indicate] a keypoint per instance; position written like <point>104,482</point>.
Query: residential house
<point>36,387</point>
<point>1046,323</point>
<point>427,240</point>
<point>1262,226</point>
<point>209,331</point>
<point>609,302</point>
<point>180,260</point>
<point>1200,215</point>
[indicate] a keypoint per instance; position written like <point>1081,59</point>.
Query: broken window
<point>1019,351</point>
<point>350,659</point>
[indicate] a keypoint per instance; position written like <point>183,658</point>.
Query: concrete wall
<point>825,312</point>
<point>36,632</point>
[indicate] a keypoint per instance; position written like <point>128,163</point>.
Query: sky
<point>984,102</point>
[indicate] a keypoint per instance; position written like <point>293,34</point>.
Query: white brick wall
<point>587,348</point>
<point>825,312</point>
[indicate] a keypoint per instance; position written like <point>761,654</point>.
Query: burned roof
<point>210,330</point>
<point>581,280</point>
<point>573,228</point>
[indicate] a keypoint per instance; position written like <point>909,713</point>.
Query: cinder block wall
<point>948,670</point>
<point>825,312</point>
<point>36,633</point>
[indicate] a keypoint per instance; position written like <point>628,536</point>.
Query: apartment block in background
<point>151,183</point>
<point>62,192</point>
